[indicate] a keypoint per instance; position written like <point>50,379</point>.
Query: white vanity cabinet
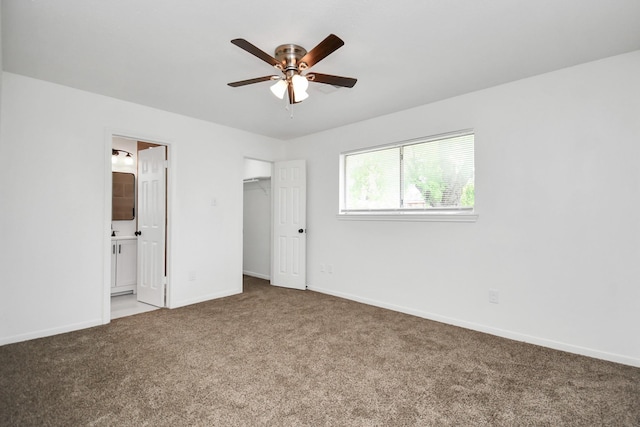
<point>124,275</point>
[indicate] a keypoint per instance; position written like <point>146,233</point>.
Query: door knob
<point>138,233</point>
<point>301,231</point>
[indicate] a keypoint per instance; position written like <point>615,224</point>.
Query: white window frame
<point>435,215</point>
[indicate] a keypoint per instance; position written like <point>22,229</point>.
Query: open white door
<point>151,225</point>
<point>289,224</point>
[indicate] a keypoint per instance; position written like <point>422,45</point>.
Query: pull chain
<point>288,106</point>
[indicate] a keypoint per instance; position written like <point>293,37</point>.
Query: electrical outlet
<point>321,268</point>
<point>494,296</point>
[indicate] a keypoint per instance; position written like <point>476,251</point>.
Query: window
<point>426,176</point>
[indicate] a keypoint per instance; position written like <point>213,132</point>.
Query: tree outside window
<point>422,175</point>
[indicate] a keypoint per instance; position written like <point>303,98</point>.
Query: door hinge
<point>164,288</point>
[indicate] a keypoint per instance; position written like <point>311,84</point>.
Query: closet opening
<point>257,213</point>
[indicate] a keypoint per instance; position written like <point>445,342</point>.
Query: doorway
<point>256,228</point>
<point>129,264</point>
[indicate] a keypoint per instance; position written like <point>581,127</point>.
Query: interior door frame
<point>108,141</point>
<point>271,163</point>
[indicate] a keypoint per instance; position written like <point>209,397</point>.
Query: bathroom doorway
<point>134,286</point>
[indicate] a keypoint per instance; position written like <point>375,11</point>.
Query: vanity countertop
<point>123,237</point>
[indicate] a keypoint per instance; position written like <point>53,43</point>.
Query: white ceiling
<point>176,55</point>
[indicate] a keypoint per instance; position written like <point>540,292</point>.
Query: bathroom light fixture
<point>128,160</point>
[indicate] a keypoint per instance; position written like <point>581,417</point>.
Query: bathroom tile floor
<point>128,305</point>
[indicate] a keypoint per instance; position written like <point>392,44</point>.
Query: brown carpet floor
<point>280,357</point>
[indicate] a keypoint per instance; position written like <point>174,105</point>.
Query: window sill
<point>410,216</point>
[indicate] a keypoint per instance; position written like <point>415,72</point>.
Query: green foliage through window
<point>431,174</point>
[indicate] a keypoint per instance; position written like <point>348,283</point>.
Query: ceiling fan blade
<point>255,51</point>
<point>332,80</point>
<point>251,81</point>
<point>324,49</point>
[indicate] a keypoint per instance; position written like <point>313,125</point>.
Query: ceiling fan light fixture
<point>299,96</point>
<point>292,60</point>
<point>279,88</point>
<point>300,83</point>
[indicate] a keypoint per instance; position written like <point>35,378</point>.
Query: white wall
<point>1,63</point>
<point>257,229</point>
<point>256,169</point>
<point>54,223</point>
<point>558,196</point>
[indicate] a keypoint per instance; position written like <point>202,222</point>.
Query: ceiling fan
<point>292,60</point>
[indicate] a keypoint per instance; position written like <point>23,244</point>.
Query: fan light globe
<point>279,88</point>
<point>300,96</point>
<point>300,85</point>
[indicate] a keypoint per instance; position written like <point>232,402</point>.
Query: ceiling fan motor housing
<point>288,56</point>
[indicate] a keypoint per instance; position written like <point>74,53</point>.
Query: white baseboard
<point>516,336</point>
<point>83,325</point>
<point>258,275</point>
<point>49,332</point>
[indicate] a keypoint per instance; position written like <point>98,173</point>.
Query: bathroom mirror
<point>123,197</point>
